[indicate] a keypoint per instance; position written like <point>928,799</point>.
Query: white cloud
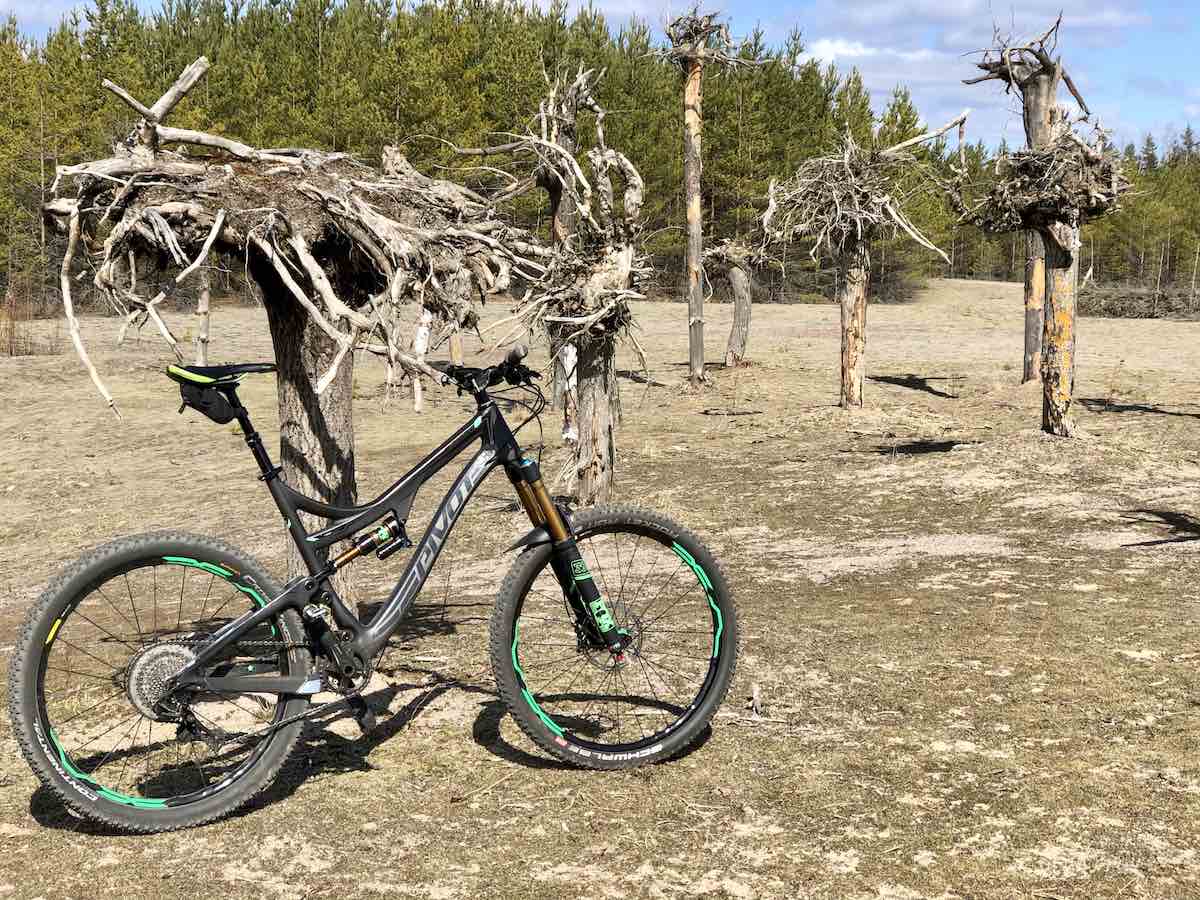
<point>832,50</point>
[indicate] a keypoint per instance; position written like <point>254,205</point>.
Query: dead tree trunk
<point>316,431</point>
<point>697,39</point>
<point>739,332</point>
<point>203,312</point>
<point>855,269</point>
<point>1035,305</point>
<point>1036,75</point>
<point>597,387</point>
<point>1039,93</point>
<point>693,124</point>
<point>1058,356</point>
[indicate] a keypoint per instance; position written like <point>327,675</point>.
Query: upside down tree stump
<point>840,203</point>
<point>597,267</point>
<point>1053,187</point>
<point>1033,71</point>
<point>339,251</point>
<point>854,268</point>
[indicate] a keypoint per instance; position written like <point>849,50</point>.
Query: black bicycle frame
<point>358,640</point>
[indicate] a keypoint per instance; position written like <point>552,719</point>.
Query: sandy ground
<point>975,645</point>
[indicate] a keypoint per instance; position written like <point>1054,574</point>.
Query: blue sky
<point>1134,61</point>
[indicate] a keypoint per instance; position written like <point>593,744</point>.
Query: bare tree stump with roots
<point>1053,190</point>
<point>347,258</point>
<point>1032,70</point>
<point>840,203</point>
<point>698,40</point>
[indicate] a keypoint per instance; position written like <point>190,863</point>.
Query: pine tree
<point>1148,159</point>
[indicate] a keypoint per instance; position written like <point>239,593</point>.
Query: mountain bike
<point>162,680</point>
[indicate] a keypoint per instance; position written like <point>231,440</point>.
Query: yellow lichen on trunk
<point>1058,341</point>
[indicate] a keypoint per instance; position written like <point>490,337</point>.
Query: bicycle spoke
<point>179,613</point>
<point>133,606</point>
<point>107,730</point>
<point>106,599</point>
<point>102,628</point>
<point>105,678</point>
<point>103,662</point>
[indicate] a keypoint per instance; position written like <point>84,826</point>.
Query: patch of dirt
<point>973,645</point>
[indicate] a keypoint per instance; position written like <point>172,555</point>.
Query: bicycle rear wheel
<point>86,688</point>
<point>571,696</point>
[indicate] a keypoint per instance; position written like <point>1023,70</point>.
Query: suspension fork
<point>570,568</point>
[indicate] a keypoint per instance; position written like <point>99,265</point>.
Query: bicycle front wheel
<point>576,700</point>
<point>88,684</point>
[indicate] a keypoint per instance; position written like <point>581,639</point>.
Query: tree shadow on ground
<point>914,382</point>
<point>1098,405</point>
<point>427,620</point>
<point>640,377</point>
<point>920,448</point>
<point>322,752</point>
<point>1183,528</point>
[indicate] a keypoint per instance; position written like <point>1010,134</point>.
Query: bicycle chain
<point>279,645</point>
<point>275,726</point>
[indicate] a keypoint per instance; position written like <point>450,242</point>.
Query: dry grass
<point>974,646</point>
<point>21,335</point>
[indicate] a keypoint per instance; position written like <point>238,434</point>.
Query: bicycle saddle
<point>216,375</point>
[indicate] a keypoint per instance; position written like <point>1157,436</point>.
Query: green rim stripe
<point>140,803</point>
<point>68,766</point>
<point>221,572</point>
<point>708,593</point>
<point>549,723</point>
<point>196,564</point>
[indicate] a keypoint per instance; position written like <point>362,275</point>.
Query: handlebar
<point>478,380</point>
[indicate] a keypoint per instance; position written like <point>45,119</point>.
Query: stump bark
<point>1058,344</point>
<point>596,420</point>
<point>1035,305</point>
<point>855,272</point>
<point>693,101</point>
<point>316,430</point>
<point>1039,93</point>
<point>739,332</point>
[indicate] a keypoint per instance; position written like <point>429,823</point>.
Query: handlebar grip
<point>516,354</point>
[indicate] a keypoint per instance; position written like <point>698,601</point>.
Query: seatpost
<point>269,470</point>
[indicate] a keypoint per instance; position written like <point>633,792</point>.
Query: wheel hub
<point>602,658</point>
<point>147,677</point>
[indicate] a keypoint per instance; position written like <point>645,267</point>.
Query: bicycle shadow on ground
<point>324,750</point>
<point>320,752</point>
